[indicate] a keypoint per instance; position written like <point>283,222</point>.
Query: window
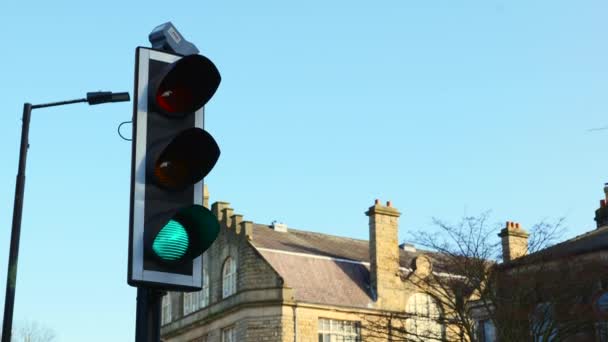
<point>600,306</point>
<point>191,302</point>
<point>196,300</point>
<point>166,309</point>
<point>542,323</point>
<point>486,331</point>
<point>228,334</point>
<point>602,331</point>
<point>424,316</point>
<point>228,278</point>
<point>343,331</point>
<point>205,290</point>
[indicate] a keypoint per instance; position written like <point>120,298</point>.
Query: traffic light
<point>172,153</point>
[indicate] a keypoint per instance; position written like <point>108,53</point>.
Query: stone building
<point>276,283</point>
<point>554,293</point>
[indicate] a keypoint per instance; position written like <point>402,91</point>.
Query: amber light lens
<point>171,173</point>
<point>186,160</point>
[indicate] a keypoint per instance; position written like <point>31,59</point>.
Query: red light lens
<point>185,85</point>
<point>176,100</point>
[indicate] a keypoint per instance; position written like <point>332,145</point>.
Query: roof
<point>300,241</point>
<point>585,243</point>
<point>322,268</point>
<point>328,269</point>
<point>322,280</point>
<point>588,242</point>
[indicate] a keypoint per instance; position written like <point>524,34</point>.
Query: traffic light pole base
<point>147,319</point>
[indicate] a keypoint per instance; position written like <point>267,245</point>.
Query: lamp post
<point>11,275</point>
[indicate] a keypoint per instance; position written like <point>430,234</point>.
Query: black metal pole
<point>147,316</point>
<point>13,256</point>
<point>11,275</point>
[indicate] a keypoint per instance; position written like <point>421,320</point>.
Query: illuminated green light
<point>171,243</point>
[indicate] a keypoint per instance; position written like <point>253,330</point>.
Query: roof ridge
<point>312,232</point>
<point>421,250</point>
<point>578,237</point>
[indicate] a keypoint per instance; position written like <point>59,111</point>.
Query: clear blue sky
<point>444,107</point>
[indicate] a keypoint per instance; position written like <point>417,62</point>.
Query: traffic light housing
<point>172,153</point>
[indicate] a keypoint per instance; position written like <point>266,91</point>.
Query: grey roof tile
<point>322,280</point>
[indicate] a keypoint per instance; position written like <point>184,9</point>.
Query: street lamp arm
<point>92,98</point>
<point>60,103</point>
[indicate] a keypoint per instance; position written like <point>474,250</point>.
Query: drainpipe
<point>295,323</point>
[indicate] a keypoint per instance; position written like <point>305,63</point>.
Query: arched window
<point>425,314</point>
<point>228,278</point>
<point>193,301</point>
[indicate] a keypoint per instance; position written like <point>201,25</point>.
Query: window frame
<point>538,330</point>
<point>424,310</point>
<point>482,333</point>
<point>229,275</point>
<point>329,329</point>
<point>165,309</point>
<point>194,301</point>
<point>601,330</point>
<point>230,330</point>
<point>205,289</point>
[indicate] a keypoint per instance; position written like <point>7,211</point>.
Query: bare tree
<point>32,331</point>
<point>541,298</point>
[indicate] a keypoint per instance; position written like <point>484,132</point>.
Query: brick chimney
<point>601,214</point>
<point>514,241</point>
<point>384,252</point>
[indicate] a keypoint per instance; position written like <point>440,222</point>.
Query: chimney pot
<point>601,214</point>
<point>377,201</point>
<point>389,204</point>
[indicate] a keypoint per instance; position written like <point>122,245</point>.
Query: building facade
<point>276,283</point>
<point>551,294</point>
